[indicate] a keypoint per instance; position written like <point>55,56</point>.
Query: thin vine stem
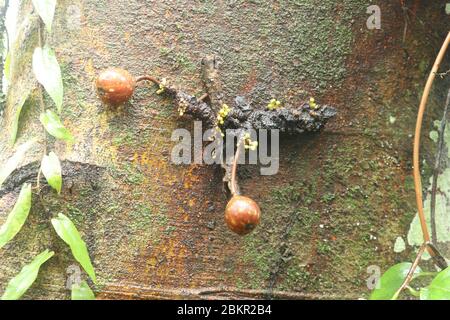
<point>436,171</point>
<point>416,169</point>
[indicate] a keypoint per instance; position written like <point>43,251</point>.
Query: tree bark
<point>155,229</point>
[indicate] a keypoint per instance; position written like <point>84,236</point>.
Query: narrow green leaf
<point>54,126</point>
<point>14,161</point>
<point>391,281</point>
<point>48,73</point>
<point>439,288</point>
<point>7,67</point>
<point>20,283</point>
<point>17,216</point>
<point>51,169</point>
<point>82,292</point>
<point>46,10</point>
<point>15,123</point>
<point>67,231</point>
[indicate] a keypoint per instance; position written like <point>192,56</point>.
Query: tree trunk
<point>155,229</point>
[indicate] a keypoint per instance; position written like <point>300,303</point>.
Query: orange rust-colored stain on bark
<point>166,259</point>
<point>190,178</point>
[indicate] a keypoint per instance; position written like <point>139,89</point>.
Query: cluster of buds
<point>223,113</point>
<point>248,143</point>
<point>162,86</point>
<point>274,104</point>
<point>182,107</point>
<point>312,103</point>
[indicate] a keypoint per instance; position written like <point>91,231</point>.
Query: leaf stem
<point>425,274</point>
<point>415,293</point>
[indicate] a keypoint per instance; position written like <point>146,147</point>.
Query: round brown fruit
<point>242,214</point>
<point>115,86</point>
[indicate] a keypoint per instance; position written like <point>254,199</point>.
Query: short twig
<point>203,97</point>
<point>148,78</point>
<point>411,271</point>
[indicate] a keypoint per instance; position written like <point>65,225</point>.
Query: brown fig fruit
<point>115,86</point>
<point>242,214</point>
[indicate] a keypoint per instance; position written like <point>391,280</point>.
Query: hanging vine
<point>399,277</point>
<point>47,71</point>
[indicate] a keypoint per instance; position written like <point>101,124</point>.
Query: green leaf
<point>46,10</point>
<point>48,73</point>
<point>20,283</point>
<point>439,288</point>
<point>7,67</point>
<point>15,123</point>
<point>17,216</point>
<point>399,245</point>
<point>67,231</point>
<point>51,169</point>
<point>54,126</point>
<point>14,161</point>
<point>82,292</point>
<point>391,281</point>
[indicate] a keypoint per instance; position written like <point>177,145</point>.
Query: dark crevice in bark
<point>70,170</point>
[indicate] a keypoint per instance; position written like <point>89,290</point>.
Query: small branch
<point>194,107</point>
<point>288,120</point>
<point>436,171</point>
<point>411,271</point>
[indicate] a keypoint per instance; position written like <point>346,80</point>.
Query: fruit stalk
<point>234,189</point>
